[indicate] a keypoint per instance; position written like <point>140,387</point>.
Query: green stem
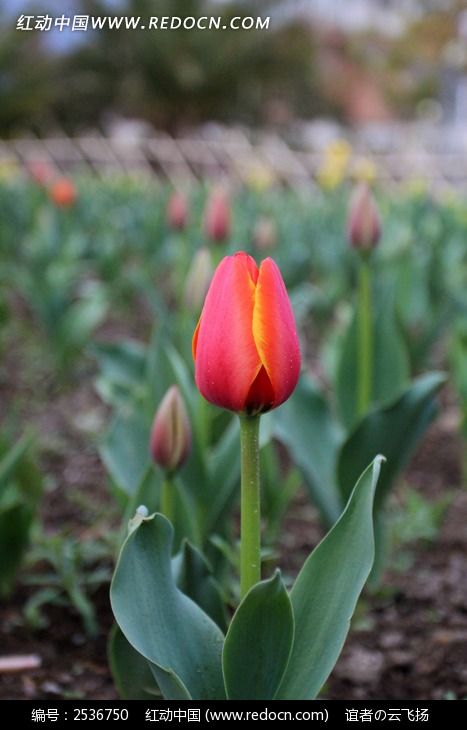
<point>250,543</point>
<point>167,498</point>
<point>365,338</point>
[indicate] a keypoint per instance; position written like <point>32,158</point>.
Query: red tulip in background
<point>177,211</point>
<point>40,172</point>
<point>63,192</point>
<point>363,222</point>
<point>217,217</point>
<point>245,347</point>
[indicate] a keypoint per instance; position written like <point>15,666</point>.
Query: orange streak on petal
<point>274,332</point>
<point>194,342</point>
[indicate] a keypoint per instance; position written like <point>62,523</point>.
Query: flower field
<point>339,338</point>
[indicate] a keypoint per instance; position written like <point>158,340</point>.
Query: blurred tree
<point>26,93</point>
<point>178,77</point>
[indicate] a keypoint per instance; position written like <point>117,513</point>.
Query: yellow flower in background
<point>259,177</point>
<point>8,169</point>
<point>364,170</point>
<point>334,167</point>
<point>415,187</point>
<point>339,151</point>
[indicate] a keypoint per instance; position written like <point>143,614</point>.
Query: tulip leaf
<point>194,577</point>
<point>390,362</point>
<point>131,672</point>
<point>304,424</point>
<point>326,591</point>
<point>393,430</point>
<point>172,632</point>
<point>125,450</point>
<point>259,641</point>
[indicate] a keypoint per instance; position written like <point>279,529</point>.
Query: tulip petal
<point>275,333</point>
<point>226,358</point>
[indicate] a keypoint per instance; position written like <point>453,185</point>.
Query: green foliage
<point>258,643</point>
<point>64,571</point>
<point>182,644</point>
<point>20,493</point>
<point>263,656</point>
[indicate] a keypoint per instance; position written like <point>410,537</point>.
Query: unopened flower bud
<point>363,222</point>
<point>170,441</point>
<point>217,216</point>
<point>177,211</point>
<point>63,192</point>
<point>265,234</point>
<point>198,280</point>
<point>40,172</point>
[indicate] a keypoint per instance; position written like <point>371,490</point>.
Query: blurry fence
<point>232,155</point>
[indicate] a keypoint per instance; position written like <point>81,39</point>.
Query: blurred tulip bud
<point>177,211</point>
<point>170,441</point>
<point>363,221</point>
<point>198,280</point>
<point>265,234</point>
<point>217,216</point>
<point>63,192</point>
<point>40,172</point>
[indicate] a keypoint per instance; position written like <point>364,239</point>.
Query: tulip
<point>63,192</point>
<point>247,359</point>
<point>40,172</point>
<point>245,347</point>
<point>217,217</point>
<point>265,234</point>
<point>363,222</point>
<point>363,232</point>
<point>198,280</point>
<point>177,211</point>
<point>171,435</point>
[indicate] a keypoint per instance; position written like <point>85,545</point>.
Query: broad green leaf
<point>125,450</point>
<point>390,362</point>
<point>306,427</point>
<point>326,591</point>
<point>224,473</point>
<point>131,672</point>
<point>182,643</point>
<point>394,431</point>
<point>258,643</point>
<point>193,576</point>
<point>121,362</point>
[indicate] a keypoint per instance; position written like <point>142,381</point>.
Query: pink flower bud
<point>363,221</point>
<point>265,234</point>
<point>217,216</point>
<point>177,211</point>
<point>40,172</point>
<point>198,280</point>
<point>170,441</point>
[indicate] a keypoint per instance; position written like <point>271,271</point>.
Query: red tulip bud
<point>63,193</point>
<point>363,222</point>
<point>245,347</point>
<point>265,234</point>
<point>40,172</point>
<point>171,434</point>
<point>217,217</point>
<point>198,280</point>
<point>177,211</point>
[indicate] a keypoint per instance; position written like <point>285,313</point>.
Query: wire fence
<point>233,155</point>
